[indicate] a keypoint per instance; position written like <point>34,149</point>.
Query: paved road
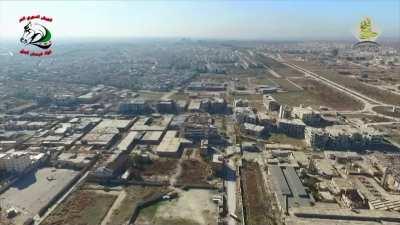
<point>230,184</point>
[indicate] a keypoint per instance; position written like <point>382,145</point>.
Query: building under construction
<point>199,126</point>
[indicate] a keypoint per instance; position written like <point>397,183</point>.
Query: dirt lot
<point>316,94</point>
<point>151,95</point>
<point>195,172</point>
<point>350,82</point>
<point>286,84</point>
<point>180,96</point>
<point>256,201</point>
<point>388,111</point>
<point>83,208</point>
<point>283,139</point>
<point>134,194</point>
<point>392,130</point>
<point>192,207</point>
<point>156,170</point>
<point>264,80</point>
<point>369,118</point>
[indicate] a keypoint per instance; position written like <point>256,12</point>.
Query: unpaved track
<point>116,205</point>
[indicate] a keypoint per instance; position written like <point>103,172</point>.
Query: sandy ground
<point>193,205</point>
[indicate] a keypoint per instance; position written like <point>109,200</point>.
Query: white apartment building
<point>15,162</point>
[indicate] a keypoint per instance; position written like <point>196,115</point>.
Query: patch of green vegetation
<point>395,138</point>
<point>150,211</point>
<point>134,194</point>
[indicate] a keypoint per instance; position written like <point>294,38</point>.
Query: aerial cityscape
<point>209,130</point>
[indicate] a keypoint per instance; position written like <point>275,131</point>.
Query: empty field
<point>286,85</point>
<point>316,94</point>
<point>258,210</point>
<point>150,95</point>
<point>134,194</point>
<point>193,207</point>
<point>369,118</point>
<point>83,208</point>
<point>352,83</point>
<point>278,67</point>
<point>213,77</point>
<point>156,170</point>
<point>264,81</point>
<point>392,130</point>
<point>284,139</point>
<point>160,167</point>
<point>180,96</point>
<point>388,111</point>
<point>194,172</point>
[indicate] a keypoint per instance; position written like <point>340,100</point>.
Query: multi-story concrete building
<point>389,167</point>
<point>270,103</point>
<point>292,128</point>
<point>136,106</point>
<point>307,115</point>
<point>241,103</point>
<point>198,127</point>
<point>245,115</point>
<point>217,105</point>
<point>342,137</point>
<point>267,121</point>
<point>166,106</point>
<point>16,163</point>
<point>284,112</point>
<point>170,146</point>
<point>252,129</point>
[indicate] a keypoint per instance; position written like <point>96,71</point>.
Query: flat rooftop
<point>170,143</point>
<point>131,137</point>
<point>152,136</point>
<point>119,124</point>
<point>35,190</point>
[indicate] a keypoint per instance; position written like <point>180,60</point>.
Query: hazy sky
<point>263,19</point>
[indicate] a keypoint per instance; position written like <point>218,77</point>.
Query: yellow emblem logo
<point>366,32</point>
